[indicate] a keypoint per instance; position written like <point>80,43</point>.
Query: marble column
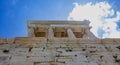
<point>70,33</point>
<point>31,32</point>
<point>50,33</point>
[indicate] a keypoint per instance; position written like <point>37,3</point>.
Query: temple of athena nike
<point>59,43</point>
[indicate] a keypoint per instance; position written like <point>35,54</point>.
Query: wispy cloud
<point>14,2</point>
<point>102,16</point>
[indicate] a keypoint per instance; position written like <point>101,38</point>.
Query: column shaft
<point>50,33</point>
<point>70,33</point>
<point>31,32</point>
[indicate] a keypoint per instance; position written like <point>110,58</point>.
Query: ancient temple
<point>59,43</point>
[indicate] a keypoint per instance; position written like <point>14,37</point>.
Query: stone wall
<point>40,51</point>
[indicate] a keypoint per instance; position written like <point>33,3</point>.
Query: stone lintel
<point>73,40</point>
<point>58,22</point>
<point>58,40</point>
<point>110,41</point>
<point>30,40</point>
<point>80,40</point>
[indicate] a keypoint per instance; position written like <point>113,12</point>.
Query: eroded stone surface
<point>92,54</point>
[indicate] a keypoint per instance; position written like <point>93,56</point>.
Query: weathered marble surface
<point>60,54</point>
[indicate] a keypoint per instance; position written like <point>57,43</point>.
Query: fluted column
<point>70,33</point>
<point>50,33</point>
<point>31,32</point>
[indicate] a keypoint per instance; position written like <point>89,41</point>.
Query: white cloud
<point>101,15</point>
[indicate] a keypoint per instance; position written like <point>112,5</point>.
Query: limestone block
<point>26,45</point>
<point>110,41</point>
<point>102,62</point>
<point>118,57</point>
<point>41,53</point>
<point>95,58</point>
<point>111,63</point>
<point>61,50</point>
<point>40,59</point>
<point>41,63</point>
<point>108,58</point>
<point>79,58</point>
<point>70,63</point>
<point>33,45</point>
<point>92,49</point>
<point>117,41</point>
<point>57,45</point>
<point>10,40</point>
<point>37,49</point>
<point>30,40</point>
<point>92,63</point>
<point>63,59</point>
<point>81,63</point>
<point>2,41</point>
<point>20,52</point>
<point>21,63</point>
<point>5,53</point>
<point>62,40</point>
<point>21,49</point>
<point>89,41</point>
<point>115,53</point>
<point>4,63</point>
<point>60,63</point>
<point>114,49</point>
<point>76,49</point>
<point>101,49</point>
<point>4,59</point>
<point>70,53</point>
<point>63,45</point>
<point>18,58</point>
<point>73,45</point>
<point>108,63</point>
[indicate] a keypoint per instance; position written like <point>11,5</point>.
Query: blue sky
<point>15,13</point>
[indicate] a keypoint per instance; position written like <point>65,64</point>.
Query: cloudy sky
<point>103,14</point>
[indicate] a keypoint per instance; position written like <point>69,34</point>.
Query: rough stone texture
<point>50,50</point>
<point>63,54</point>
<point>30,40</point>
<point>2,41</point>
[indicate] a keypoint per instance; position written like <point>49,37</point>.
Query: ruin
<point>59,43</point>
